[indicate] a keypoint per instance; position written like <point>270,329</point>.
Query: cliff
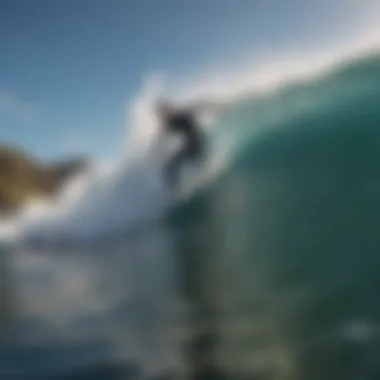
<point>23,177</point>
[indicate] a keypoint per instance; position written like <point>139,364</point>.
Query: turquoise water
<point>279,257</point>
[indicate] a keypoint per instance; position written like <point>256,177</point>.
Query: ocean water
<point>278,256</point>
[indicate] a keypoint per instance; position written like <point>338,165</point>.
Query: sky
<point>70,68</point>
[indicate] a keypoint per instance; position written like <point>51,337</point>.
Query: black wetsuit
<point>184,124</point>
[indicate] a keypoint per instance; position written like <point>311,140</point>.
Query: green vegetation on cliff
<point>22,177</point>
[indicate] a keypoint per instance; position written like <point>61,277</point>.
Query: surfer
<point>182,122</point>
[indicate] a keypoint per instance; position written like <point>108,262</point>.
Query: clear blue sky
<point>68,67</point>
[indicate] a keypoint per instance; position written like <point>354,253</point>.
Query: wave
<point>132,193</point>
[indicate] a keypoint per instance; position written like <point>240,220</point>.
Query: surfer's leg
<point>169,172</point>
<point>173,167</point>
<point>196,152</point>
<point>193,152</point>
